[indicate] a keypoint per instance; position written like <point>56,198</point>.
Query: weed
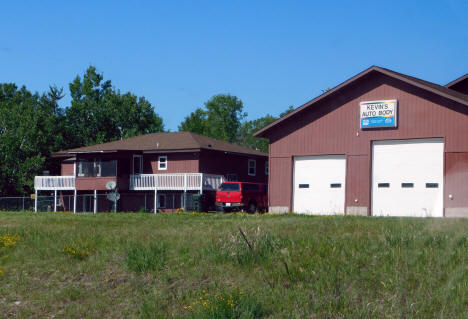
<point>227,305</point>
<point>245,248</point>
<point>79,253</point>
<point>8,241</point>
<point>144,258</point>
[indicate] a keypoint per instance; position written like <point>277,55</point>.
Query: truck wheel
<point>252,208</point>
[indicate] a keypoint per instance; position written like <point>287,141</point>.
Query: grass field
<point>201,266</point>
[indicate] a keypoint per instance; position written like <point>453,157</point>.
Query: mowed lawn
<point>201,266</point>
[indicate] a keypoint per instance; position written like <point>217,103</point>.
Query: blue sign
<point>375,114</point>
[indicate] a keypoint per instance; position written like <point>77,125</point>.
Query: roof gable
<point>459,85</point>
<point>429,86</point>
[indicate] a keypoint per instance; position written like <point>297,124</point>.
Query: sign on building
<point>376,114</point>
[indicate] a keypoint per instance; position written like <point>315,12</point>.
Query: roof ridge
<point>194,137</point>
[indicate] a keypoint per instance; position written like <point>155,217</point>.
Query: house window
<point>266,167</point>
<point>85,168</point>
<point>252,167</point>
<point>162,163</point>
<point>97,167</point>
<point>137,164</point>
<point>161,200</point>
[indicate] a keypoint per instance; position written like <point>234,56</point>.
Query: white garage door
<point>407,178</point>
<point>319,184</point>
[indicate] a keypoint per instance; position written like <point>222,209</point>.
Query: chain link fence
<point>85,203</point>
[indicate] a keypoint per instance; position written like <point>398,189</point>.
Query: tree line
<point>33,125</point>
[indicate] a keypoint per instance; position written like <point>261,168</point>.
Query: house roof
<point>426,85</point>
<point>462,78</point>
<point>163,142</point>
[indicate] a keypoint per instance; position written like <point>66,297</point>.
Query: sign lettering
<point>375,114</point>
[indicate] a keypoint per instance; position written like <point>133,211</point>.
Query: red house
<point>152,172</point>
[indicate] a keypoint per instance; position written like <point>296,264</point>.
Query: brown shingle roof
<point>172,141</point>
<point>429,86</point>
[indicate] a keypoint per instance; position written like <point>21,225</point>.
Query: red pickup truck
<point>242,196</point>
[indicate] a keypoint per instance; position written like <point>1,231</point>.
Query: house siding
<point>67,168</point>
<point>186,162</point>
<point>221,163</point>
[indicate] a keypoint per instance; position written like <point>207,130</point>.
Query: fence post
<point>145,202</point>
<point>201,183</point>
<point>74,201</point>
<point>155,200</point>
<point>35,201</point>
<point>55,200</point>
<point>23,203</point>
<point>95,201</point>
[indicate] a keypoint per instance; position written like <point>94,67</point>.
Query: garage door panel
<point>319,184</point>
<point>407,178</point>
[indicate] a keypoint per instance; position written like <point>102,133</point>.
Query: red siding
<point>280,182</point>
<point>94,183</point>
<point>332,127</point>
<point>176,163</point>
<point>456,179</point>
<point>220,163</point>
<point>67,169</point>
<point>357,180</point>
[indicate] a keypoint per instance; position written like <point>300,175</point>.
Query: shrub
<point>141,258</point>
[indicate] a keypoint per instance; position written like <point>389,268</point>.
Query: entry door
<point>407,178</point>
<point>319,184</point>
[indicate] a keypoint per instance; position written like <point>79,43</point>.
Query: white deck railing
<point>181,181</point>
<point>54,182</point>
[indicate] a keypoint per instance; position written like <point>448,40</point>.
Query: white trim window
<point>97,167</point>
<point>81,169</point>
<point>266,168</point>
<point>252,167</point>
<point>162,201</point>
<point>162,163</point>
<point>137,164</point>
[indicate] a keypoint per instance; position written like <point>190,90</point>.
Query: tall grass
<point>143,258</point>
<point>245,247</point>
<point>142,265</point>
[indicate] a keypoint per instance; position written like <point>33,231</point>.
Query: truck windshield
<point>229,187</point>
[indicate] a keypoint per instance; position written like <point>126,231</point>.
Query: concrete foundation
<point>456,212</point>
<point>278,209</point>
<point>357,210</point>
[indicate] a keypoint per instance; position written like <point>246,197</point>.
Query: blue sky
<point>271,54</point>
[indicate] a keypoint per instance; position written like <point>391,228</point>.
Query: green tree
<point>28,134</point>
<point>196,122</point>
<point>250,127</point>
<point>99,113</point>
<point>287,111</point>
<point>221,118</point>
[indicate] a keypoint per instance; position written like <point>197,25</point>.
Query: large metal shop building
<point>381,143</point>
